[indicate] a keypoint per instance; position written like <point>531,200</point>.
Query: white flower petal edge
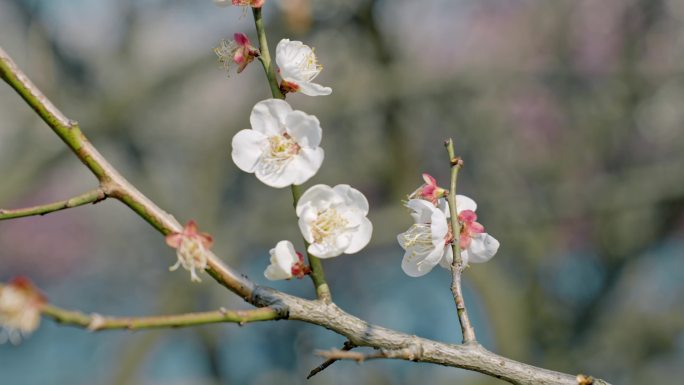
<point>333,220</point>
<point>298,65</point>
<point>283,257</point>
<point>282,148</point>
<point>424,241</point>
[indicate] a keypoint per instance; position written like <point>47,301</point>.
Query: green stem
<point>265,55</point>
<point>457,265</point>
<point>93,196</point>
<point>96,322</point>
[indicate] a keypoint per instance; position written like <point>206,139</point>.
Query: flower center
<point>309,66</point>
<point>327,225</point>
<point>418,239</point>
<point>281,149</point>
<point>192,252</point>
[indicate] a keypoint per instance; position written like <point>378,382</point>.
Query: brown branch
<point>361,333</point>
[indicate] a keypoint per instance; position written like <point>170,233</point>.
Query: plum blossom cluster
<point>20,305</point>
<point>282,148</point>
<point>428,241</point>
<point>297,63</point>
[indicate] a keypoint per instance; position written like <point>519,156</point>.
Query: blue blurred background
<point>568,114</point>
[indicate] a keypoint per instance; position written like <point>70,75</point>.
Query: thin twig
<point>411,353</point>
<point>457,265</point>
<point>92,196</point>
<point>96,322</point>
<point>347,347</point>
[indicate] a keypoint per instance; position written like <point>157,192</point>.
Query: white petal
<point>361,237</point>
<point>223,3</point>
<point>247,149</point>
<point>420,264</point>
<point>305,129</point>
<point>276,179</point>
<point>448,258</point>
<point>352,197</point>
<point>438,226</point>
<point>329,250</point>
<point>289,56</point>
<point>313,89</point>
<point>319,197</point>
<point>422,210</point>
<point>306,217</point>
<point>285,255</point>
<point>482,248</point>
<point>274,273</point>
<point>465,203</point>
<point>305,165</point>
<point>268,116</point>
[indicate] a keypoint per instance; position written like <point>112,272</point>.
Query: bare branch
<point>97,322</point>
<point>92,196</point>
<point>411,353</point>
<point>457,264</point>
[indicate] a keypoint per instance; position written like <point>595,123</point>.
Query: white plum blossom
<point>298,68</point>
<point>282,148</point>
<point>285,263</point>
<point>428,241</point>
<point>20,304</point>
<point>333,220</point>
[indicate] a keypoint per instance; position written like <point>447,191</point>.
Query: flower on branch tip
<point>333,220</point>
<point>298,67</point>
<point>240,3</point>
<point>286,263</point>
<point>282,148</point>
<point>429,190</point>
<point>191,249</point>
<point>20,306</point>
<point>239,52</point>
<point>428,241</point>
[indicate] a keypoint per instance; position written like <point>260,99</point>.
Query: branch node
<point>97,322</point>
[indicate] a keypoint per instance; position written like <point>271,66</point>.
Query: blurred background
<point>569,116</point>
